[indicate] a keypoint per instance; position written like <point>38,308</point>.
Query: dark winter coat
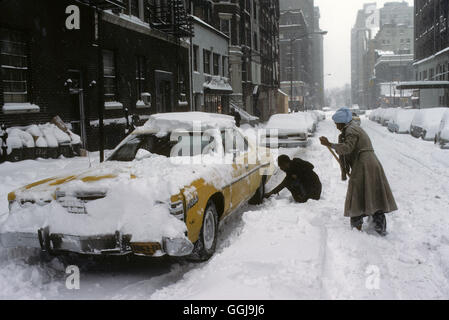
<point>301,181</point>
<point>368,190</point>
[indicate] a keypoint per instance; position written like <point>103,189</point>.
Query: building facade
<point>396,13</point>
<point>302,63</point>
<point>122,55</point>
<point>210,52</point>
<point>432,50</point>
<point>253,30</point>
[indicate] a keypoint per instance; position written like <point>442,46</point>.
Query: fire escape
<point>170,16</point>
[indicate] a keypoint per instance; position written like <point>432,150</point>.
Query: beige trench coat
<point>368,190</point>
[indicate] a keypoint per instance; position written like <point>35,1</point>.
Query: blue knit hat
<point>343,115</point>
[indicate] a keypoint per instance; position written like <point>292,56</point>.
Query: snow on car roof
<point>188,120</point>
<point>288,121</point>
<point>425,117</point>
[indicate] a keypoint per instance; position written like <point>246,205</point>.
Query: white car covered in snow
<point>373,114</point>
<point>401,120</point>
<point>386,116</point>
<point>442,137</point>
<point>311,120</point>
<point>321,115</point>
<point>426,123</point>
<point>286,130</point>
<point>162,191</point>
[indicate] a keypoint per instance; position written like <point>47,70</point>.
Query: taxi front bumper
<point>111,244</point>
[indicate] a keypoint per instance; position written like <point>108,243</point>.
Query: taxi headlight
<point>177,209</point>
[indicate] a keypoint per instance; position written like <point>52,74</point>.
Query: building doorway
<point>165,92</point>
<point>77,109</point>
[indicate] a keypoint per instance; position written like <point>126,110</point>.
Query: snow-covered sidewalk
<point>281,250</point>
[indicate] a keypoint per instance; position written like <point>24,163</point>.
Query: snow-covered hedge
<point>39,136</point>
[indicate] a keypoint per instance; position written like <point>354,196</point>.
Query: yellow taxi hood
<point>156,177</point>
<point>99,177</point>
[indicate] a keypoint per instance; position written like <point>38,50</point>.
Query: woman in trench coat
<point>369,193</point>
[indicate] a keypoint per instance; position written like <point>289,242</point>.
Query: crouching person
<point>301,180</point>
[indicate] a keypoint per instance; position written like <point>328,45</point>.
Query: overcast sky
<point>338,17</point>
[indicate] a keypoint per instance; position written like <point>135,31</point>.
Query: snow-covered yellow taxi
<point>162,191</point>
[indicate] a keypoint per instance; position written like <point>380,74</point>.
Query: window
<point>140,75</point>
<point>206,61</point>
<point>216,64</point>
<point>195,58</point>
<point>255,46</point>
<point>255,9</point>
<point>233,140</point>
<point>223,66</point>
<point>225,26</point>
<point>248,36</point>
<point>134,8</point>
<point>110,84</point>
<point>14,66</point>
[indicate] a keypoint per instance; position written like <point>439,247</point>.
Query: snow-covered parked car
<point>426,123</point>
<point>162,191</point>
<point>311,121</point>
<point>286,131</point>
<point>356,109</point>
<point>442,137</point>
<point>356,119</point>
<point>386,116</point>
<point>321,114</point>
<point>373,114</point>
<point>379,115</point>
<point>401,120</point>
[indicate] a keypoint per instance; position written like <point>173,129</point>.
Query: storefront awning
<point>423,85</point>
<point>217,85</point>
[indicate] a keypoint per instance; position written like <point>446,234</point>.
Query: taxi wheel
<point>206,244</point>
<point>258,197</point>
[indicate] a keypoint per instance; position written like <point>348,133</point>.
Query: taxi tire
<point>200,252</point>
<point>259,195</point>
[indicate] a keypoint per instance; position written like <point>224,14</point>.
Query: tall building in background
<point>365,29</point>
<point>381,54</point>
<point>318,62</point>
<point>301,54</point>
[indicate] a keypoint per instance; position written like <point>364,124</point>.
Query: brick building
<point>253,30</point>
<point>145,65</point>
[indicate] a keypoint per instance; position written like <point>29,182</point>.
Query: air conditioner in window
<point>146,98</point>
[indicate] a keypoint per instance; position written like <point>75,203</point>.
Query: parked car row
<point>430,124</point>
<point>291,130</point>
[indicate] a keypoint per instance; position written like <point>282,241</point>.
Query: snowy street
<point>278,250</point>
